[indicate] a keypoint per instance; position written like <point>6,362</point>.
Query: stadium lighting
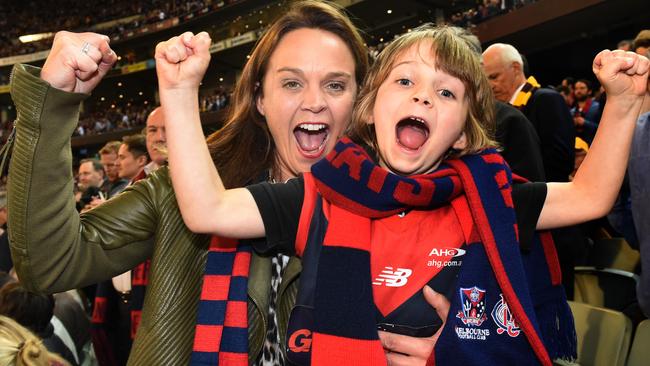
<point>35,37</point>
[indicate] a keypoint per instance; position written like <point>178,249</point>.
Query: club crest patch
<point>503,318</point>
<point>472,300</point>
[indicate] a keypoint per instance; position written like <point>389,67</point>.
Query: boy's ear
<point>370,120</point>
<point>461,142</point>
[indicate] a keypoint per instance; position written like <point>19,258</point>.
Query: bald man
<point>156,140</point>
<point>545,108</point>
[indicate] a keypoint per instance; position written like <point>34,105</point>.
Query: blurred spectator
<point>156,140</point>
<point>91,177</point>
<point>6,264</point>
<point>625,45</point>
<point>19,18</point>
<point>34,312</point>
<point>585,111</point>
<point>132,157</point>
<point>113,184</point>
<point>641,43</point>
<point>19,346</point>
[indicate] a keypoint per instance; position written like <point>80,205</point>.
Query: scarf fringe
<point>556,324</point>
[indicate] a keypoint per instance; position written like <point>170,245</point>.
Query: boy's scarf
<point>527,91</point>
<point>221,335</point>
<point>344,325</point>
<point>359,190</point>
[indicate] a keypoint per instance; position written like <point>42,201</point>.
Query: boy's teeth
<point>312,126</point>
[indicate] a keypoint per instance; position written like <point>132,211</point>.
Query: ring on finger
<point>85,48</point>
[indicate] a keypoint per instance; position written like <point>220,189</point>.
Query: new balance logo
<point>393,277</point>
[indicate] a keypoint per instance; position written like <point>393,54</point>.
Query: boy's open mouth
<point>412,132</point>
<point>311,138</point>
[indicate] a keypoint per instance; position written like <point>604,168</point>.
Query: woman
<point>55,249</point>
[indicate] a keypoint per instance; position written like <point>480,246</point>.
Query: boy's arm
<point>593,190</point>
<point>206,206</point>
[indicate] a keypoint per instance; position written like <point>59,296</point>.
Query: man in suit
<point>551,117</point>
<point>544,108</point>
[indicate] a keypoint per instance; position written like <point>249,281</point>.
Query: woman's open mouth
<point>412,133</point>
<point>311,138</point>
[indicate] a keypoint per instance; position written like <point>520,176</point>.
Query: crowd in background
<point>19,18</point>
<point>484,11</point>
<point>100,120</point>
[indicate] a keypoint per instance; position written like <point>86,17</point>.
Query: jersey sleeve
<point>528,199</point>
<point>280,205</point>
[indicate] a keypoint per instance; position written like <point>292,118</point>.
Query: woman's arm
<point>54,248</point>
<point>595,186</point>
<point>206,206</point>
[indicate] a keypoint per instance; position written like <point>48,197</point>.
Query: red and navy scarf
<point>359,190</point>
<point>221,335</point>
<point>344,328</point>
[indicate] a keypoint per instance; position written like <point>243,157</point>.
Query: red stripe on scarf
<point>351,205</point>
<point>236,314</point>
<point>350,232</point>
<point>225,245</point>
<point>242,264</point>
<point>232,359</point>
<point>207,338</point>
<point>215,287</point>
<point>333,350</point>
<point>483,226</point>
<point>307,210</point>
<point>551,257</point>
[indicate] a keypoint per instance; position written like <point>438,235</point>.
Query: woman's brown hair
<point>243,148</point>
<point>455,56</point>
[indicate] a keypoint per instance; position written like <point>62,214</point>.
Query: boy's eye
<point>291,84</point>
<point>336,86</point>
<point>404,82</point>
<point>446,93</point>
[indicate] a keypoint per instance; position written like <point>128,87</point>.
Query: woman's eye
<point>291,84</point>
<point>446,93</point>
<point>336,86</point>
<point>404,82</point>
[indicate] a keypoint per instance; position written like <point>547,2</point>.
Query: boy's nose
<point>422,99</point>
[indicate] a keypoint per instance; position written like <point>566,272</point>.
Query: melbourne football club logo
<point>504,319</point>
<point>473,306</point>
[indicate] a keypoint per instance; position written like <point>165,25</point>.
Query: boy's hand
<point>182,61</point>
<point>622,74</point>
<point>78,61</point>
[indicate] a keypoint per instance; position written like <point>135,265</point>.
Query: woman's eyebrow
<point>299,72</point>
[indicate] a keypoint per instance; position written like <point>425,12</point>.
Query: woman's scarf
<point>221,334</point>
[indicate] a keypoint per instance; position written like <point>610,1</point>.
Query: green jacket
<point>56,249</point>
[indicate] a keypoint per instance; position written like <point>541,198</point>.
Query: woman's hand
<point>404,350</point>
<point>182,61</point>
<point>78,61</point>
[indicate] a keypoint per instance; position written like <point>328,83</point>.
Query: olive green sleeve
<point>53,247</point>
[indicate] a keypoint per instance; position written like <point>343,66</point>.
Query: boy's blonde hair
<point>455,57</point>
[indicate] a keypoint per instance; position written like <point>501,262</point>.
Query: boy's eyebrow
<point>402,63</point>
<point>333,74</point>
